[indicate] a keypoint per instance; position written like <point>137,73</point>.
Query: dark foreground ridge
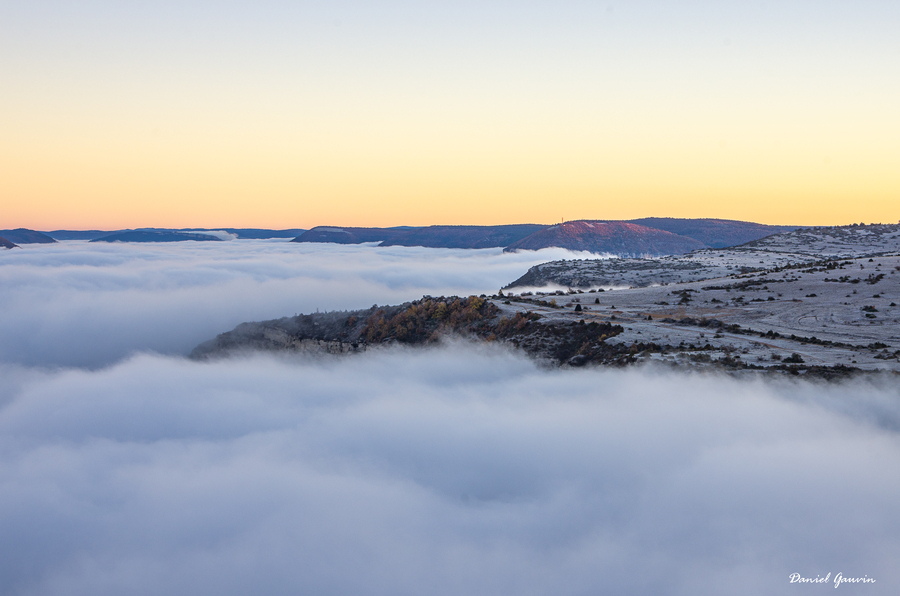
<point>423,322</point>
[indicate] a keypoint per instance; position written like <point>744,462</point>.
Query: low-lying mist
<point>91,304</point>
<point>457,469</point>
<point>461,469</point>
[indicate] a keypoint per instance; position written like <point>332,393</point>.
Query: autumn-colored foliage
<point>424,318</point>
<point>506,326</point>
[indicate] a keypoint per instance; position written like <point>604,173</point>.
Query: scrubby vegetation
<point>424,320</point>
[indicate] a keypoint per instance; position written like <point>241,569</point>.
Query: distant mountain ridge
<point>147,236</point>
<point>616,237</point>
<point>429,236</point>
<point>80,234</point>
<point>652,236</point>
<point>24,236</point>
<point>241,233</point>
<point>352,235</point>
<point>714,233</point>
<point>465,236</point>
<point>788,249</point>
<point>7,244</point>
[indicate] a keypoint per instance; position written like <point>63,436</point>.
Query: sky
<point>296,114</point>
<point>126,468</point>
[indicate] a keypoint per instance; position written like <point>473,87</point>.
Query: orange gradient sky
<point>294,115</point>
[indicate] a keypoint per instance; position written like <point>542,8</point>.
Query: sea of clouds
<point>461,469</point>
<point>91,304</point>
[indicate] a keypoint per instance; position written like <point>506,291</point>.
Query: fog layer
<point>91,304</point>
<point>458,470</point>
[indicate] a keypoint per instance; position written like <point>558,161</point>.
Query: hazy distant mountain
<point>465,236</point>
<point>241,233</point>
<point>7,244</point>
<point>613,237</point>
<point>249,233</point>
<point>430,236</point>
<point>350,235</point>
<point>146,236</point>
<point>81,234</point>
<point>714,233</point>
<point>23,236</point>
<point>675,236</point>
<point>595,236</point>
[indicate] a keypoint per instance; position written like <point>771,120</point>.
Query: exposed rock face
<point>615,238</point>
<point>335,332</point>
<point>274,336</point>
<point>7,244</point>
<point>23,236</point>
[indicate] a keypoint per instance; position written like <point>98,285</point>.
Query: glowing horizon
<point>283,116</point>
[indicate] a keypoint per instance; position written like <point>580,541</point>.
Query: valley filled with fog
<point>459,469</point>
<point>85,304</point>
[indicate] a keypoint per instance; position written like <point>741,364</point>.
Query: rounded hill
<point>613,237</point>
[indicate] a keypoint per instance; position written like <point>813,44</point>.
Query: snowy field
<point>836,290</point>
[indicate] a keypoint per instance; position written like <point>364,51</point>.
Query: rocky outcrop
<point>423,322</point>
